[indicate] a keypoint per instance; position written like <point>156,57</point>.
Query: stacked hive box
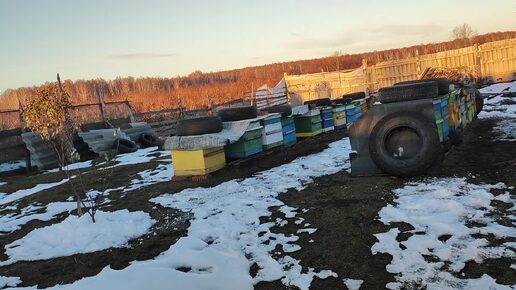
<point>198,162</point>
<point>339,117</point>
<point>353,112</point>
<point>309,124</point>
<point>272,133</point>
<point>249,144</point>
<point>466,109</point>
<point>454,110</point>
<point>327,119</point>
<point>289,131</point>
<point>441,114</point>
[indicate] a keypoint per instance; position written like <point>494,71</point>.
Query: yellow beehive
<point>198,162</point>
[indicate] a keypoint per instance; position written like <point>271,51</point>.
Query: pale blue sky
<point>83,39</point>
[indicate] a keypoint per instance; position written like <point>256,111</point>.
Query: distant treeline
<point>150,94</point>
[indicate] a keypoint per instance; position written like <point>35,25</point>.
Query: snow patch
<point>500,88</point>
<point>353,284</point>
<point>7,198</point>
<point>506,129</point>
<point>9,166</point>
<point>225,236</point>
<point>447,214</point>
<point>140,156</point>
<point>162,173</point>
<point>13,222</point>
<point>9,281</point>
<point>76,235</point>
<point>73,166</point>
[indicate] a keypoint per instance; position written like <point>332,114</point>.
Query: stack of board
<point>289,131</point>
<point>198,162</point>
<point>272,135</point>
<point>339,117</point>
<point>308,124</point>
<point>327,119</point>
<point>249,144</point>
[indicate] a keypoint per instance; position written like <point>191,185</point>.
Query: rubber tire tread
<point>284,110</point>
<point>408,92</point>
<point>355,96</point>
<point>125,146</point>
<point>199,126</point>
<point>443,84</point>
<point>324,102</point>
<point>430,150</point>
<point>238,113</point>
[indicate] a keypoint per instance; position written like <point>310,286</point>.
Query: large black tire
<point>344,101</point>
<point>324,102</point>
<point>125,146</point>
<point>405,144</point>
<point>148,140</point>
<point>199,126</point>
<point>456,136</point>
<point>355,96</point>
<point>443,84</point>
<point>408,92</point>
<point>284,110</point>
<point>238,113</point>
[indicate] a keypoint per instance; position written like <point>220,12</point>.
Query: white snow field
<point>225,236</point>
<point>79,235</point>
<point>455,211</point>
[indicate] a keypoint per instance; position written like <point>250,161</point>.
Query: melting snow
<point>12,165</point>
<point>162,173</point>
<point>353,284</point>
<point>225,236</point>
<point>140,156</point>
<point>79,235</point>
<point>9,281</point>
<point>13,222</point>
<point>507,129</point>
<point>7,198</point>
<point>499,88</point>
<point>437,208</point>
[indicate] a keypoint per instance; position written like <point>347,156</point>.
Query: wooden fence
<point>495,61</point>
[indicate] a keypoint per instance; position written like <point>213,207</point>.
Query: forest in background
<point>157,93</point>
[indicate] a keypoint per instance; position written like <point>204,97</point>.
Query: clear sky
<point>83,39</point>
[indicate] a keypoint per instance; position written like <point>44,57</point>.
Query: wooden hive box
<point>289,131</point>
<point>198,162</point>
<point>249,144</point>
<point>309,124</point>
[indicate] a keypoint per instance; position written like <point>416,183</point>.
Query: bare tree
<point>464,31</point>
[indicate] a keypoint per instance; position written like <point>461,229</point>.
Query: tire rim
<point>403,143</point>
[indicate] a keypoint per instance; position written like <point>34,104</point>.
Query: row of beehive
<point>270,132</point>
<point>453,111</point>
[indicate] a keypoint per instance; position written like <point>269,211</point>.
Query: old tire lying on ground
<point>408,92</point>
<point>456,137</point>
<point>148,140</point>
<point>319,102</point>
<point>344,101</point>
<point>238,113</point>
<point>355,96</point>
<point>199,126</point>
<point>443,84</point>
<point>405,144</point>
<point>125,146</point>
<point>284,110</point>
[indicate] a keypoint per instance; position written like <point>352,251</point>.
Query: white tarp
<point>231,133</point>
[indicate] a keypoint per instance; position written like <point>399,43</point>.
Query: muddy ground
<point>342,208</point>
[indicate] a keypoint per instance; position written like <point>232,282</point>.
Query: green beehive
<point>309,124</point>
<point>249,144</point>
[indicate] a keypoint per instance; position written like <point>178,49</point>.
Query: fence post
<point>478,61</point>
<point>418,64</point>
<point>130,110</point>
